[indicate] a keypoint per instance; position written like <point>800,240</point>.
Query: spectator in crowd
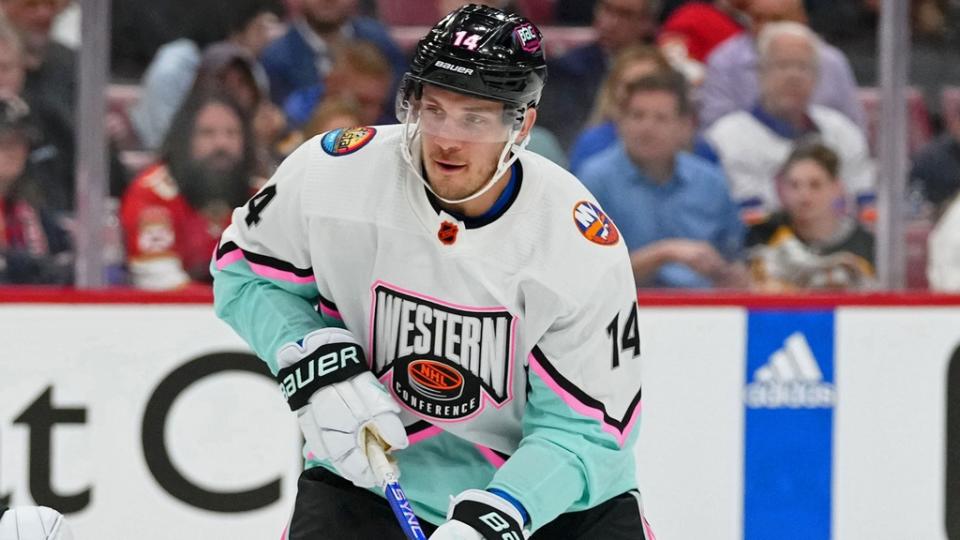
<point>731,82</point>
<point>631,64</point>
<point>811,244</point>
<point>575,77</point>
<point>671,207</point>
<point>693,30</point>
<point>33,247</point>
<point>332,113</point>
<point>752,145</point>
<point>51,159</point>
<point>360,72</point>
<point>304,56</point>
<point>171,75</point>
<point>51,78</point>
<point>229,68</point>
<point>943,248</point>
<point>936,170</point>
<point>174,211</point>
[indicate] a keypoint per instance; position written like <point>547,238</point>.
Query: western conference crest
<point>343,141</point>
<point>441,361</point>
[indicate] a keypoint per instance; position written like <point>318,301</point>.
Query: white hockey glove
<point>337,399</point>
<point>33,523</point>
<point>480,515</point>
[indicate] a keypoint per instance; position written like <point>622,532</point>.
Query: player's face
<point>463,138</point>
<point>808,192</point>
<point>652,128</point>
<point>217,138</point>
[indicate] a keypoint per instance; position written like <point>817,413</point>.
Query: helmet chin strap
<point>411,137</point>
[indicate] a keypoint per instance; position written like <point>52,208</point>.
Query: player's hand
<point>480,515</point>
<point>326,381</point>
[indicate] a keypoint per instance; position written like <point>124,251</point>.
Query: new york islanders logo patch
<point>594,225</point>
<point>343,141</point>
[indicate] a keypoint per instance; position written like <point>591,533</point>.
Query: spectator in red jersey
<point>173,212</point>
<point>692,31</point>
<point>33,249</point>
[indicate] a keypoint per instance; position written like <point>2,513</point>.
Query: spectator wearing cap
<point>671,207</point>
<point>731,82</point>
<point>753,145</point>
<point>575,77</point>
<point>304,56</point>
<point>33,248</point>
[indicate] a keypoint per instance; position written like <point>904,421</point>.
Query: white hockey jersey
<point>512,345</point>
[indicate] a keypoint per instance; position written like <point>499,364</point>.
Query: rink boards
<point>815,422</point>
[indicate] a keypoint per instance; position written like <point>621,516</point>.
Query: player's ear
<point>529,119</point>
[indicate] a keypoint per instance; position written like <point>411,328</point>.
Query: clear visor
<point>448,115</point>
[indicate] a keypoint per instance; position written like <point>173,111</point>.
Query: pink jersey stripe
<point>491,456</point>
<point>421,436</point>
<point>583,408</point>
<point>262,270</point>
<point>330,312</point>
<point>229,258</point>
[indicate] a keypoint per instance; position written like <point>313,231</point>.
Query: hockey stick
<point>387,478</point>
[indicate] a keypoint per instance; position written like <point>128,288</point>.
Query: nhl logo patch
<point>448,233</point>
<point>594,224</point>
<point>343,141</point>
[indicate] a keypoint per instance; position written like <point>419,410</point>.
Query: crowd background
<point>734,142</point>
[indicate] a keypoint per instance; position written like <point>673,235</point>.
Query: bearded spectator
<point>174,211</point>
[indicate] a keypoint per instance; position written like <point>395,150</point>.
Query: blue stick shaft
<point>387,476</point>
<point>402,510</point>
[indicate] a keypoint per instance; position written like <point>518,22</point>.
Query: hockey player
<point>466,301</point>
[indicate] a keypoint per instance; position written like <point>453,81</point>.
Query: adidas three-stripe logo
<point>791,379</point>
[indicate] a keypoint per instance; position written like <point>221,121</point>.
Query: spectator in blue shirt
<point>673,209</point>
<point>304,56</point>
<point>632,63</point>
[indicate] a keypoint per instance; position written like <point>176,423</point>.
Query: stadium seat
<point>919,129</point>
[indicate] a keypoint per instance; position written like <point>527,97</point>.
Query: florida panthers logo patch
<point>343,141</point>
<point>442,362</point>
<point>595,225</point>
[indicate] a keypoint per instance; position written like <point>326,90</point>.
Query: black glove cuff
<point>329,364</point>
<point>491,523</point>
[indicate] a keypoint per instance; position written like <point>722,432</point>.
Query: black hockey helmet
<point>482,51</point>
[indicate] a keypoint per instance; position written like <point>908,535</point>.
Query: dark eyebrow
<point>482,108</point>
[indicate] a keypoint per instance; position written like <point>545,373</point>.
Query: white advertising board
<point>147,422</point>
